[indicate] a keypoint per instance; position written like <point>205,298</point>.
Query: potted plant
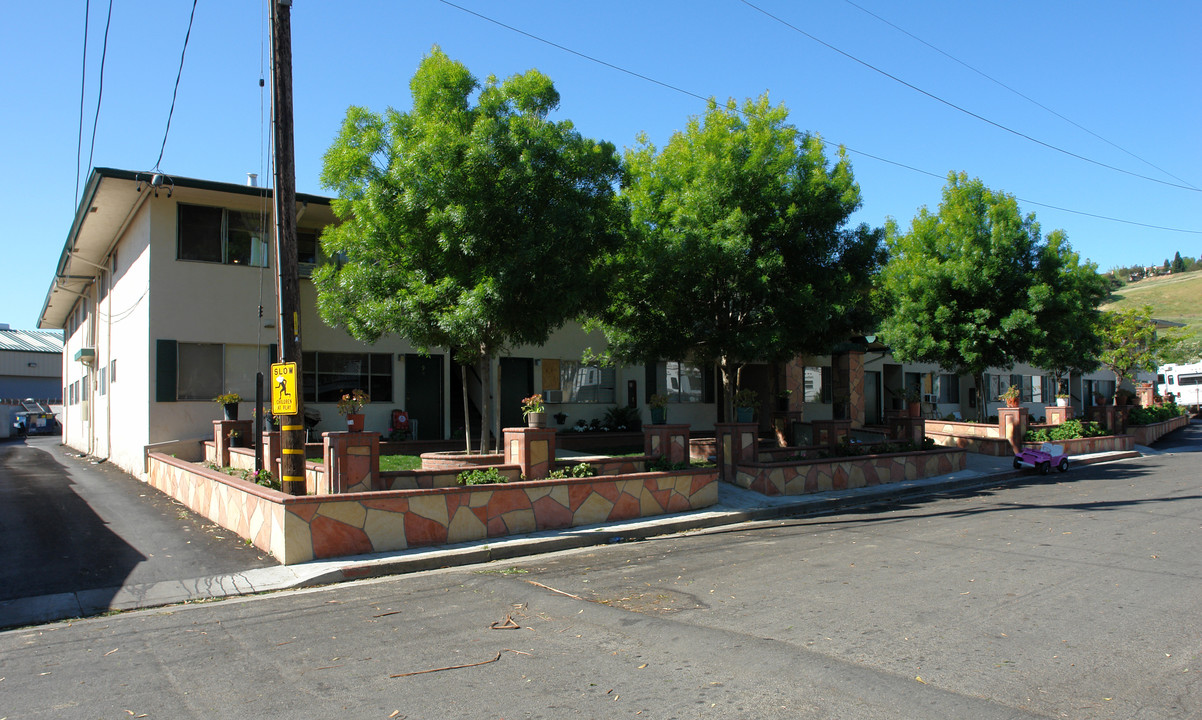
<point>913,404</point>
<point>229,403</point>
<point>349,405</point>
<point>235,437</point>
<point>1010,396</point>
<point>534,411</point>
<point>659,409</point>
<point>560,417</point>
<point>1062,400</point>
<point>1124,397</point>
<point>782,400</point>
<point>745,402</point>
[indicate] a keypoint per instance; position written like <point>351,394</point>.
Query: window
<point>200,373</point>
<point>1032,386</point>
<point>684,382</point>
<point>329,375</point>
<point>104,386</point>
<point>113,370</point>
<point>582,383</point>
<point>818,385</point>
<point>217,235</point>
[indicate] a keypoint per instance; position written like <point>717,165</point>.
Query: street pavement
<point>136,548</point>
<point>1071,596</point>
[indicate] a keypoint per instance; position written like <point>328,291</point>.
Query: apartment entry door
<point>423,394</point>
<point>872,398</point>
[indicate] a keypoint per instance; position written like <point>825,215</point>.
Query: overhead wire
<point>83,84</point>
<point>175,92</point>
<point>1029,99</point>
<point>966,111</point>
<point>703,98</point>
<point>100,90</point>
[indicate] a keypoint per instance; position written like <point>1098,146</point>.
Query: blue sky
<point>1127,72</point>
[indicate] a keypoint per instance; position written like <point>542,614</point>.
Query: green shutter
<point>165,365</point>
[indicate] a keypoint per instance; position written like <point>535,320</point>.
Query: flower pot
<point>1011,402</point>
<point>231,411</point>
<point>235,441</point>
<point>659,416</point>
<point>1061,402</point>
<point>536,419</point>
<point>354,422</point>
<point>744,414</point>
<point>914,409</point>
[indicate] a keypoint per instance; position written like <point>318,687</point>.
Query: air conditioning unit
<point>930,398</point>
<point>553,396</point>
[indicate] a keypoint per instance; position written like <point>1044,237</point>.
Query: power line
<point>104,49</point>
<point>175,92</point>
<point>83,77</point>
<point>954,106</point>
<point>698,96</point>
<point>1017,92</point>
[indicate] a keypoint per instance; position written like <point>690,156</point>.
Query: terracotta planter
<point>914,409</point>
<point>354,422</point>
<point>536,419</point>
<point>1012,402</point>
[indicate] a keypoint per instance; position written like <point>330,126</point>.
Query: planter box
<point>299,529</point>
<point>1148,434</point>
<point>813,476</point>
<point>1085,446</point>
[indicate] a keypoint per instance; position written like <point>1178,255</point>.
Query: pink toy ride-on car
<point>1043,459</point>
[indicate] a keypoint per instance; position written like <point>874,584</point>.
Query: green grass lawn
<point>400,462</point>
<point>1172,297</point>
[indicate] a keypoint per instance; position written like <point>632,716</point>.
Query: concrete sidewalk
<point>735,505</point>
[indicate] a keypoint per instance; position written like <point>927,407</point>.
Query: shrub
<point>1154,414</point>
<point>1067,430</point>
<point>481,476</point>
<point>663,464</point>
<point>582,470</point>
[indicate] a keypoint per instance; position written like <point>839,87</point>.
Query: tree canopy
<point>1131,343</point>
<point>739,248</point>
<point>974,286</point>
<point>471,222</point>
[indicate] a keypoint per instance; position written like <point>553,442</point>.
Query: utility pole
<point>292,427</point>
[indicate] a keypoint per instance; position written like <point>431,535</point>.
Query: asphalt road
<point>67,526</point>
<point>1074,596</point>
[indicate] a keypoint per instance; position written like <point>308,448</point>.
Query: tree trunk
<point>485,402</point>
<point>467,417</point>
<point>730,384</point>
<point>978,380</point>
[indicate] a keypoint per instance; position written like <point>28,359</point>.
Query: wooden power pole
<point>292,427</point>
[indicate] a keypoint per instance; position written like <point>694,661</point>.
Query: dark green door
<point>517,383</point>
<point>423,394</point>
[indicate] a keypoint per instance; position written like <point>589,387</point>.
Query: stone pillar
<point>1120,420</point>
<point>221,431</point>
<point>352,462</point>
<point>1144,394</point>
<point>904,427</point>
<point>830,432</point>
<point>1057,414</point>
<point>847,376</point>
<point>736,442</point>
<point>531,448</point>
<point>1104,415</point>
<point>783,424</point>
<point>667,441</point>
<point>1013,423</point>
<point>272,447</point>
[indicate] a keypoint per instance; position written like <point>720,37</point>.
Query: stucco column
<point>221,431</point>
<point>531,448</point>
<point>904,427</point>
<point>1013,424</point>
<point>847,375</point>
<point>1056,414</point>
<point>668,441</point>
<point>352,462</point>
<point>830,432</point>
<point>272,445</point>
<point>736,442</point>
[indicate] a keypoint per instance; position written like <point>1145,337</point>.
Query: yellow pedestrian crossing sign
<point>283,389</point>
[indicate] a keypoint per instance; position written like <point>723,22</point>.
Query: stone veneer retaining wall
<point>801,477</point>
<point>300,528</point>
<point>981,438</point>
<point>1148,434</point>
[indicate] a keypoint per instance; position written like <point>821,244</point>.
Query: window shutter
<point>165,370</point>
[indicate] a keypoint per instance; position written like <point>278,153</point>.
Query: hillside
<point>1173,297</point>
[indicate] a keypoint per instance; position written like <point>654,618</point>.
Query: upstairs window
<point>217,235</point>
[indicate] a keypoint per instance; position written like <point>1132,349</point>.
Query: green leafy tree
<point>740,249</point>
<point>1178,263</point>
<point>472,226</point>
<point>1132,344</point>
<point>1065,296</point>
<point>973,286</point>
